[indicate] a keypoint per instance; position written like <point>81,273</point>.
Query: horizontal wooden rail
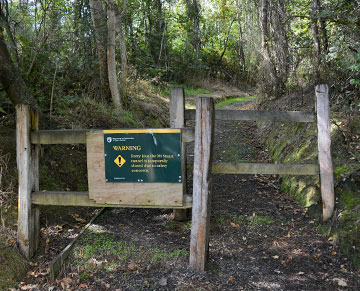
<point>58,136</point>
<point>67,198</point>
<point>269,169</point>
<point>278,116</point>
<point>69,136</point>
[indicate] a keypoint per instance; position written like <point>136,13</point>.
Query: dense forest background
<point>54,53</point>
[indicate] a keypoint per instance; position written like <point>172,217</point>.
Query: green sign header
<point>144,155</point>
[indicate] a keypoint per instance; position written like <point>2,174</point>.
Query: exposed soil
<point>260,240</point>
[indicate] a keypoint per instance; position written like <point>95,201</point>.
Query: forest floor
<point>260,239</point>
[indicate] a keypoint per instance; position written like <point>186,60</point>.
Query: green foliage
<point>233,100</point>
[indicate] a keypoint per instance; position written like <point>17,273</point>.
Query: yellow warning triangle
<point>119,161</point>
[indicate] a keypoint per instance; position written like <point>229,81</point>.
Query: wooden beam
<point>56,264</point>
<point>202,183</point>
<point>59,136</point>
<point>261,168</point>
<point>79,136</point>
<point>248,115</point>
<point>27,157</point>
<point>324,149</point>
<point>67,198</point>
<point>177,120</point>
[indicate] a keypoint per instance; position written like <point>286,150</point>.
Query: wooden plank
<point>27,164</point>
<point>35,156</point>
<point>248,115</point>
<point>79,136</point>
<point>58,136</point>
<point>56,264</point>
<point>68,198</point>
<point>263,168</point>
<point>177,120</point>
<point>147,194</point>
<point>202,183</point>
<point>324,149</point>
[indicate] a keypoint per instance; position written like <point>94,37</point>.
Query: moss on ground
<point>297,143</point>
<point>12,265</point>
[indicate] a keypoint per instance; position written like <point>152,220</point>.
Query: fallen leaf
<point>333,253</point>
<point>231,278</point>
<point>341,282</point>
<point>163,281</point>
<point>234,224</point>
<point>250,246</point>
<point>330,238</point>
<point>83,286</point>
<point>132,266</point>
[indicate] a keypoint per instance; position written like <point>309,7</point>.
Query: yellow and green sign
<point>143,155</point>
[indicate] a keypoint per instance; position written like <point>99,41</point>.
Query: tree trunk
<point>264,26</point>
<point>101,34</point>
<point>11,79</point>
<point>111,54</point>
<point>124,63</point>
<point>123,54</point>
<point>193,12</point>
<point>316,39</point>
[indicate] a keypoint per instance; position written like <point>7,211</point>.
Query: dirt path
<point>260,239</point>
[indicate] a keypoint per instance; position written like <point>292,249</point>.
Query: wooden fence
<point>205,117</point>
<point>30,138</point>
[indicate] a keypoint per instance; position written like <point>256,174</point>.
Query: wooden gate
<point>205,117</point>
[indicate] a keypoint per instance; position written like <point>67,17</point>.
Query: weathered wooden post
<point>27,156</point>
<point>177,120</point>
<point>324,150</point>
<point>202,184</point>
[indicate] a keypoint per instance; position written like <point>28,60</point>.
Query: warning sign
<point>145,155</point>
<point>119,161</point>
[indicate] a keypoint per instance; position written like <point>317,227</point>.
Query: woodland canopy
<point>56,51</point>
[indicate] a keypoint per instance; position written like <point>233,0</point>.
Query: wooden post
<point>27,156</point>
<point>324,151</point>
<point>177,120</point>
<point>200,229</point>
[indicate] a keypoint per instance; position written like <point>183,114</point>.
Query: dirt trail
<point>260,239</point>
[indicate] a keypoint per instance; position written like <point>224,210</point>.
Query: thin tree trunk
<point>111,54</point>
<point>101,36</point>
<point>193,12</point>
<point>316,39</point>
<point>123,55</point>
<point>264,26</point>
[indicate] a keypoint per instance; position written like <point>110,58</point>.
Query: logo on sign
<point>120,161</point>
<point>109,139</point>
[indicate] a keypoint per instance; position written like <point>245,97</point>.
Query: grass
<point>254,220</point>
<point>233,100</point>
<point>95,246</point>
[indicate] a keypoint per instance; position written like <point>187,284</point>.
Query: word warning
<point>144,155</point>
